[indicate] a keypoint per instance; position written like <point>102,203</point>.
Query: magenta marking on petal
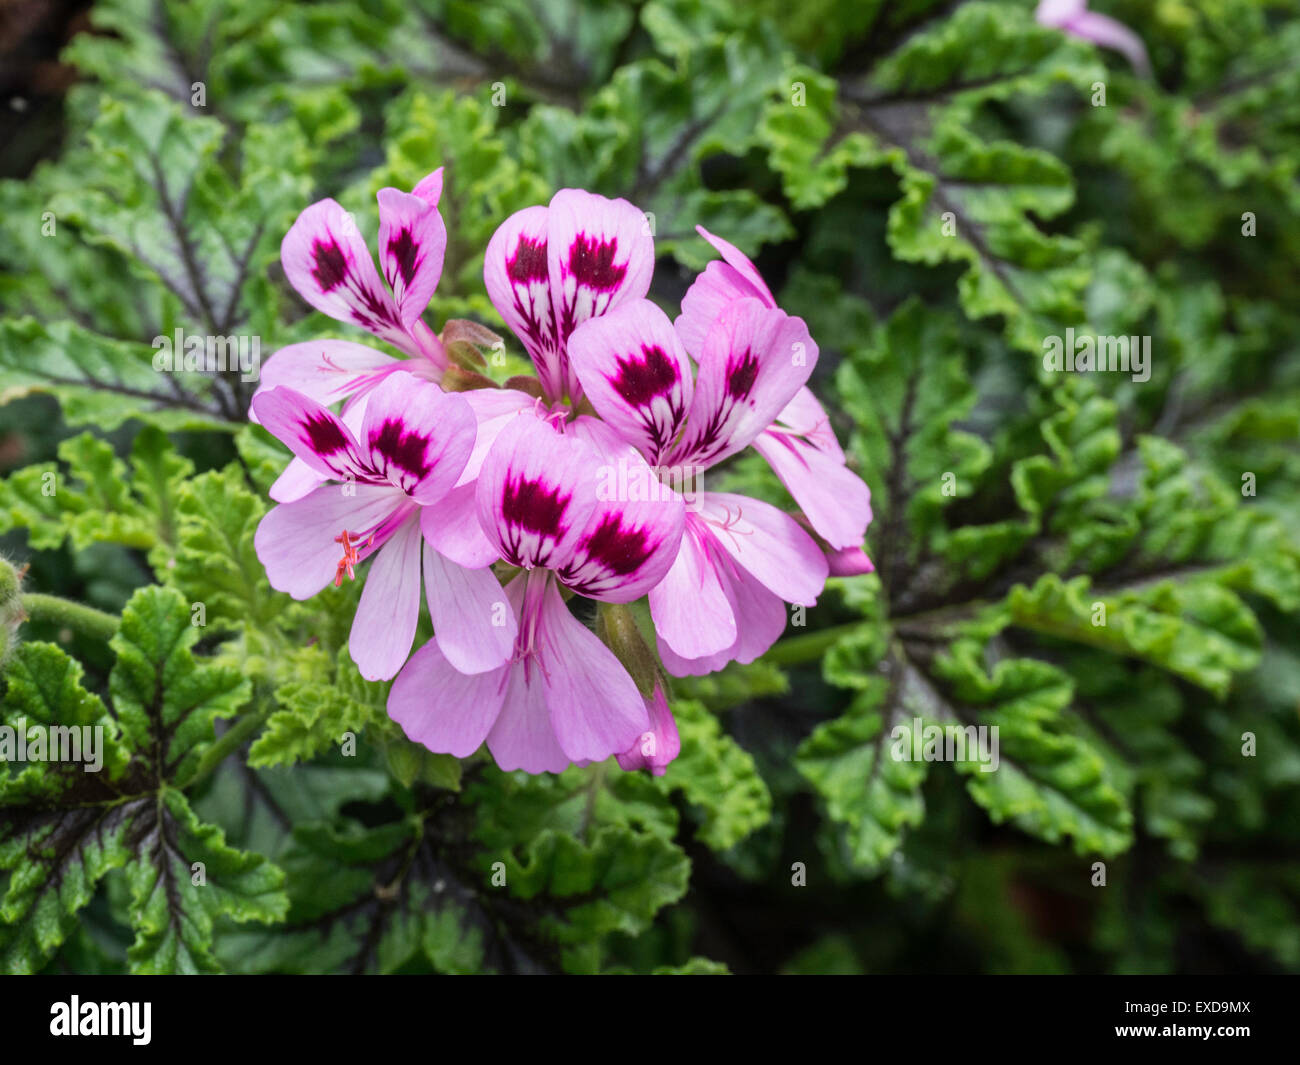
<point>640,380</point>
<point>378,315</point>
<point>741,374</point>
<point>323,434</point>
<point>591,262</point>
<point>330,270</point>
<point>404,250</point>
<point>331,267</point>
<point>617,549</point>
<point>529,262</point>
<point>533,507</point>
<point>405,449</point>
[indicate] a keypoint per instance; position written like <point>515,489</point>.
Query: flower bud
<point>11,607</point>
<point>457,380</point>
<point>617,627</point>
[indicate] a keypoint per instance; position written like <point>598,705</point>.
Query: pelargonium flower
<point>1074,18</point>
<point>800,446</point>
<point>401,462</point>
<point>564,696</point>
<point>549,269</point>
<point>327,262</point>
<point>740,559</point>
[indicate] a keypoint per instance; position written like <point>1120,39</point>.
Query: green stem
<point>231,740</point>
<point>810,646</point>
<point>66,614</point>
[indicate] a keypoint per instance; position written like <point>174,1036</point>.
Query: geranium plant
<point>691,486</point>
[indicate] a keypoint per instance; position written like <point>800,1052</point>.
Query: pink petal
<point>659,744</point>
<point>741,263</point>
<point>755,359</point>
<point>295,482</point>
<point>760,620</point>
<point>296,541</point>
<point>417,436</point>
<point>595,708</point>
<point>769,544</point>
<point>451,528</point>
<point>627,545</point>
<point>805,416</point>
<point>517,277</point>
<point>835,499</point>
<point>536,492</point>
<point>474,623</point>
<point>384,626</point>
<point>691,611</point>
<point>327,262</point>
<point>523,737</point>
<point>1056,13</point>
<point>493,407</point>
<point>849,562</point>
<point>709,295</point>
<point>412,244</point>
<point>599,253</point>
<point>430,188</point>
<point>635,372</point>
<point>312,432</point>
<point>449,712</point>
<point>1109,33</point>
<point>299,478</point>
<point>328,371</point>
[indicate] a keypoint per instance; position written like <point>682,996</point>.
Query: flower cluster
<point>578,484</point>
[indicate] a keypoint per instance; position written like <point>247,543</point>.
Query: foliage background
<point>1120,744</point>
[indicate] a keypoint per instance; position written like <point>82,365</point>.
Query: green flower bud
<point>11,607</point>
<point>616,626</point>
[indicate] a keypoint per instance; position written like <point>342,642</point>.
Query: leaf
<point>173,904</point>
<point>66,823</point>
<point>718,777</point>
<point>631,878</point>
<point>964,198</point>
<point>1199,631</point>
<point>97,380</point>
<point>98,500</point>
<point>1048,781</point>
<point>873,796</point>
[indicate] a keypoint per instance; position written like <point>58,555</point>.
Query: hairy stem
<point>97,624</point>
<point>810,646</point>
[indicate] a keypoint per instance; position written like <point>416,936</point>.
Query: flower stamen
<point>350,556</point>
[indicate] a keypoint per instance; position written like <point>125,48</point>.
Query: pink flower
<point>327,262</point>
<point>659,744</point>
<point>739,558</point>
<point>399,460</point>
<point>800,447</point>
<point>1074,18</point>
<point>549,269</point>
<point>564,697</point>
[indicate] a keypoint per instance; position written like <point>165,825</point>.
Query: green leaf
<point>718,777</point>
<point>184,877</point>
<point>67,823</point>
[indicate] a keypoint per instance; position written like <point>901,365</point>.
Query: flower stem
<point>810,646</point>
<point>229,742</point>
<point>64,613</point>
